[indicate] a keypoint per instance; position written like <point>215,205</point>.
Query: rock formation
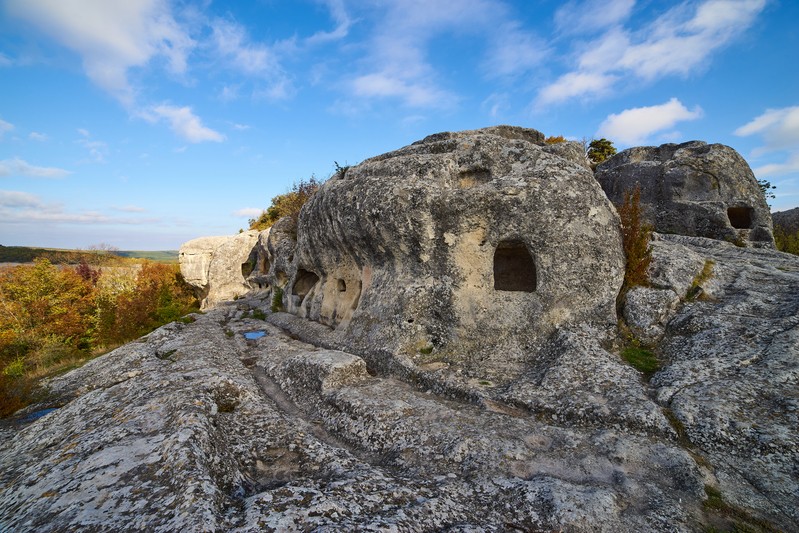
<point>218,266</point>
<point>333,416</point>
<point>694,188</point>
<point>468,248</point>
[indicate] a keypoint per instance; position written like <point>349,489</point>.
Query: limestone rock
<point>217,267</point>
<point>648,310</point>
<point>469,248</point>
<point>694,188</point>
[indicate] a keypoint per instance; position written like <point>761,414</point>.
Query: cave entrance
<point>740,217</point>
<point>305,282</point>
<point>514,267</point>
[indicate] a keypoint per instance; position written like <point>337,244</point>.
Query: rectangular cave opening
<point>740,217</point>
<point>514,267</point>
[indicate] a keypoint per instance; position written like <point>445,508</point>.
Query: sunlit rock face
<point>217,267</point>
<point>694,188</point>
<point>472,247</point>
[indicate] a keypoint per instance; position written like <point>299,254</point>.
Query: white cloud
<point>234,46</point>
<point>343,22</point>
<point>20,167</point>
<point>591,16</point>
<point>779,129</point>
<point>576,84</point>
<point>129,209</point>
<point>678,42</point>
<point>414,93</point>
<point>4,60</point>
<point>4,127</point>
<point>513,51</point>
<point>183,122</point>
<point>635,126</point>
<point>18,207</point>
<point>17,199</point>
<point>248,212</point>
<point>36,136</point>
<point>397,65</point>
<point>110,37</point>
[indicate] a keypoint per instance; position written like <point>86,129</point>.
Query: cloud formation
<point>17,199</point>
<point>779,129</point>
<point>248,212</point>
<point>36,136</point>
<point>677,42</point>
<point>398,67</point>
<point>5,127</point>
<point>20,167</point>
<point>18,207</point>
<point>110,37</point>
<point>183,122</point>
<point>636,125</point>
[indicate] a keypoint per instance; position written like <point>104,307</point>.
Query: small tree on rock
<point>599,150</point>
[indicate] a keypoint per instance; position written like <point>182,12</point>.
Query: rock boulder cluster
<point>433,346</point>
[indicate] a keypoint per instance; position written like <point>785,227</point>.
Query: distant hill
<point>788,220</point>
<point>26,254</point>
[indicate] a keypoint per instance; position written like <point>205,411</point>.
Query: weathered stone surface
<point>731,374</point>
<point>467,248</point>
<point>421,397</point>
<point>694,188</point>
<point>193,429</point>
<point>217,267</point>
<point>648,310</point>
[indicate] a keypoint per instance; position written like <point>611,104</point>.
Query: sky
<point>142,124</point>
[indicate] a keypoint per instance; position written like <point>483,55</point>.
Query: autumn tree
<point>44,313</point>
<point>288,204</point>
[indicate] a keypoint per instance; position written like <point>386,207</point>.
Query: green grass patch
<point>641,358</point>
<point>258,314</point>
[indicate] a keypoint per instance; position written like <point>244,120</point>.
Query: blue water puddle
<point>252,335</point>
<point>36,415</point>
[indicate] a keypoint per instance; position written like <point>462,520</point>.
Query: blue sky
<point>146,123</point>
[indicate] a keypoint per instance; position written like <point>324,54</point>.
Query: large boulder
<point>694,188</point>
<point>470,248</point>
<point>217,267</point>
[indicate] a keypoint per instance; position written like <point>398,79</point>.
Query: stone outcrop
<point>694,188</point>
<point>218,267</point>
<point>196,427</point>
<point>448,361</point>
<point>466,248</point>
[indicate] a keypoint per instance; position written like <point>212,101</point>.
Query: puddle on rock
<point>30,417</point>
<point>252,335</point>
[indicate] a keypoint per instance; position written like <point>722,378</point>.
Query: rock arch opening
<point>305,281</point>
<point>514,267</point>
<point>740,217</point>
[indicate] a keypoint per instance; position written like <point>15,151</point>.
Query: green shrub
<point>288,204</point>
<point>785,241</point>
<point>600,150</point>
<point>277,300</point>
<point>258,314</point>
